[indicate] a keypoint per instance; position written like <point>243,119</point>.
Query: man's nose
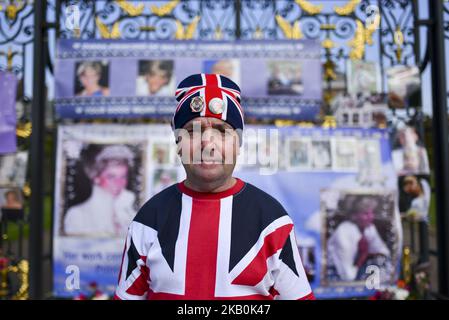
<point>207,138</point>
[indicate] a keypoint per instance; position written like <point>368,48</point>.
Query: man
<point>410,157</point>
<point>416,198</point>
<point>211,236</point>
<point>355,241</point>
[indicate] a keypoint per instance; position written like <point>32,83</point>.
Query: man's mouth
<point>210,161</point>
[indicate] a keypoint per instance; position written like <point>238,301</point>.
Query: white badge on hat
<point>216,105</point>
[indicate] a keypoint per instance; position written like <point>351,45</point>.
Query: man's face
<point>11,197</point>
<point>113,178</point>
<point>208,149</point>
<point>411,186</point>
<point>364,218</point>
<point>408,137</point>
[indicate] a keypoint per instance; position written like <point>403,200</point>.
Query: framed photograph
<point>359,234</point>
<point>163,178</point>
<point>11,198</point>
<point>404,86</point>
<point>363,77</point>
<point>370,161</point>
<point>409,154</point>
<point>345,154</point>
<point>162,153</point>
<point>156,78</point>
<point>92,78</point>
<point>298,153</point>
<point>321,154</point>
<point>13,168</point>
<point>285,78</point>
<point>414,196</point>
<point>102,187</point>
<point>229,68</point>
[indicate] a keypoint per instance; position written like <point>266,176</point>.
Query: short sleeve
<point>133,283</point>
<point>290,280</point>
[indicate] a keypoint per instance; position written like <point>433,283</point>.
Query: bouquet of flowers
<point>399,292</point>
<point>94,294</point>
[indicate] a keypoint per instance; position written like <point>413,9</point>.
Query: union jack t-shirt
<point>235,244</point>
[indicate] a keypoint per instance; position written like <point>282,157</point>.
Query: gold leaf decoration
<point>371,28</point>
<point>164,9</point>
<point>9,57</point>
<point>399,41</point>
<point>329,70</point>
<point>22,270</point>
<point>115,32</point>
<point>258,33</point>
<point>188,32</point>
<point>12,9</point>
<point>290,32</point>
<point>130,9</point>
<point>104,31</point>
<point>191,28</point>
<point>179,34</point>
<point>347,8</point>
<point>218,34</point>
<point>308,7</point>
<point>23,130</point>
<point>358,42</point>
<point>26,190</point>
<point>328,44</point>
<point>297,33</point>
<point>329,122</point>
<point>284,123</point>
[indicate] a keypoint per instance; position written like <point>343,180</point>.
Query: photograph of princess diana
<point>102,190</point>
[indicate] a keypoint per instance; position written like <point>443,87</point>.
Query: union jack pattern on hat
<point>208,95</point>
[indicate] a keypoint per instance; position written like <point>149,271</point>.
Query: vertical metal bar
<point>440,141</point>
<point>423,227</point>
<point>9,252</point>
<point>238,9</point>
<point>423,242</point>
<point>1,235</point>
<point>412,237</point>
<point>58,18</point>
<point>381,57</point>
<point>20,250</point>
<point>416,37</point>
<point>37,152</point>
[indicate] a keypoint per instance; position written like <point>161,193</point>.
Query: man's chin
<point>208,171</point>
<point>209,165</point>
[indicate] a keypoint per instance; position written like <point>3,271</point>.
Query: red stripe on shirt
<point>202,249</point>
<point>309,296</point>
<point>257,269</point>
<point>140,285</point>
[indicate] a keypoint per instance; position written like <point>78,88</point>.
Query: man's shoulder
<point>260,195</point>
<point>266,204</point>
<point>158,205</point>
